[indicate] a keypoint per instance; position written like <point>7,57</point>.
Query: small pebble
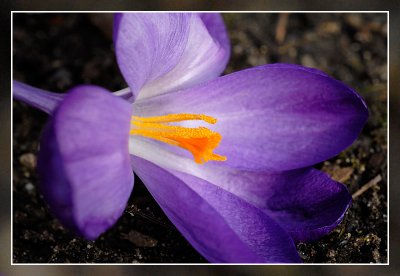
<point>29,187</point>
<point>28,160</point>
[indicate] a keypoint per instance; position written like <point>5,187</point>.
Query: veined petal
<point>216,27</point>
<point>39,98</point>
<point>222,227</point>
<point>83,163</point>
<point>305,202</point>
<point>159,53</point>
<point>273,117</point>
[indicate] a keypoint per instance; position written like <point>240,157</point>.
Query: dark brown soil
<point>57,51</point>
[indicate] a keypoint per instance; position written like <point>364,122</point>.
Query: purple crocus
<point>229,159</point>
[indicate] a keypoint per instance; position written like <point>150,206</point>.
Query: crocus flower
<point>229,159</point>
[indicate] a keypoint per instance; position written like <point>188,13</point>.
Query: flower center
<point>200,141</point>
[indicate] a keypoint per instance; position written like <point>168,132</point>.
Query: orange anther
<point>200,141</point>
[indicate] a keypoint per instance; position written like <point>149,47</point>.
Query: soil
<point>57,51</point>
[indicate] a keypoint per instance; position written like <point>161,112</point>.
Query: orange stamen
<point>199,141</point>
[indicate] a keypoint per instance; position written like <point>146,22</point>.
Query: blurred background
<point>244,55</point>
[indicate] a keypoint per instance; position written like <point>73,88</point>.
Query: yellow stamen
<point>199,141</point>
<point>176,118</point>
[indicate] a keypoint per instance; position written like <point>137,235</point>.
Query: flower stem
<point>125,93</point>
<point>41,99</point>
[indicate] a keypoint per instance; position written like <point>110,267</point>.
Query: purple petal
<point>84,164</point>
<point>222,227</point>
<point>41,99</point>
<point>158,53</point>
<point>273,117</point>
<point>216,27</point>
<point>307,203</point>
